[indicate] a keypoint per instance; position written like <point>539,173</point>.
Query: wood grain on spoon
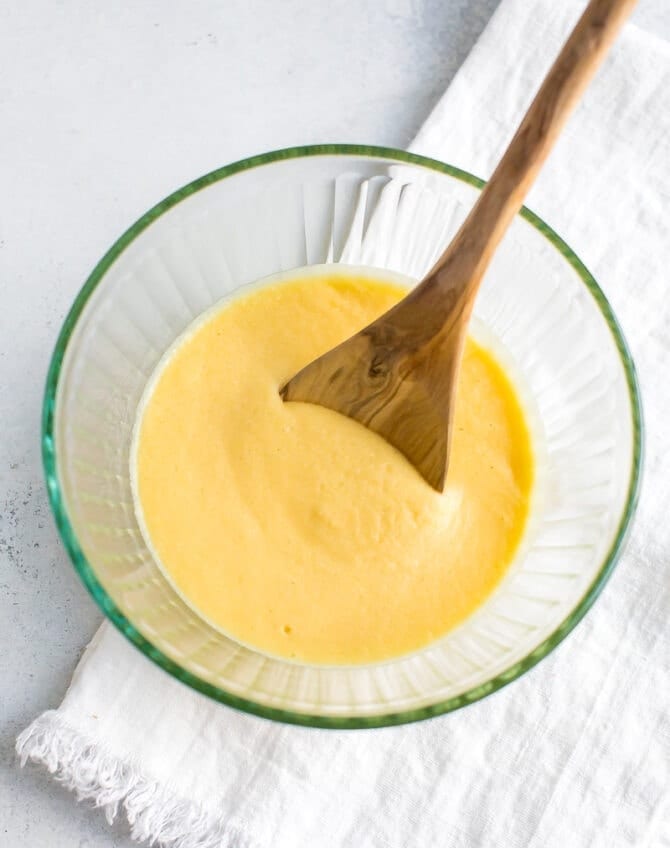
<point>398,376</point>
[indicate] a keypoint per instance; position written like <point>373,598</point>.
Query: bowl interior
<point>539,308</point>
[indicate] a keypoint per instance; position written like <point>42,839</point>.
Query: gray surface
<point>104,109</point>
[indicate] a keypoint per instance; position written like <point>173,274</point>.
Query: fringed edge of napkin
<point>153,813</point>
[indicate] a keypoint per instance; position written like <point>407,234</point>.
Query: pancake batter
<point>296,530</point>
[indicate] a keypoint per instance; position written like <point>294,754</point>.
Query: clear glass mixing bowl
<point>363,206</point>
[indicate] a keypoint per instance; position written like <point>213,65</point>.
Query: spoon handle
<point>501,199</point>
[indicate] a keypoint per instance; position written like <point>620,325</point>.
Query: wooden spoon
<point>398,376</point>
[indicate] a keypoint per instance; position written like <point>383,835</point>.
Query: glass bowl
<point>373,207</point>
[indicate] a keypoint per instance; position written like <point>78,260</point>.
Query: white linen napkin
<point>576,753</point>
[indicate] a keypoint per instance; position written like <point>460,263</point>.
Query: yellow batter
<point>298,531</point>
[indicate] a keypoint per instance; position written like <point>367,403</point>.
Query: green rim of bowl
<point>126,627</point>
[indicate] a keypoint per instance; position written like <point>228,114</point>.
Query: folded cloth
<point>576,753</point>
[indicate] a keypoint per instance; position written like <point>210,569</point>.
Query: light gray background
<point>105,107</point>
